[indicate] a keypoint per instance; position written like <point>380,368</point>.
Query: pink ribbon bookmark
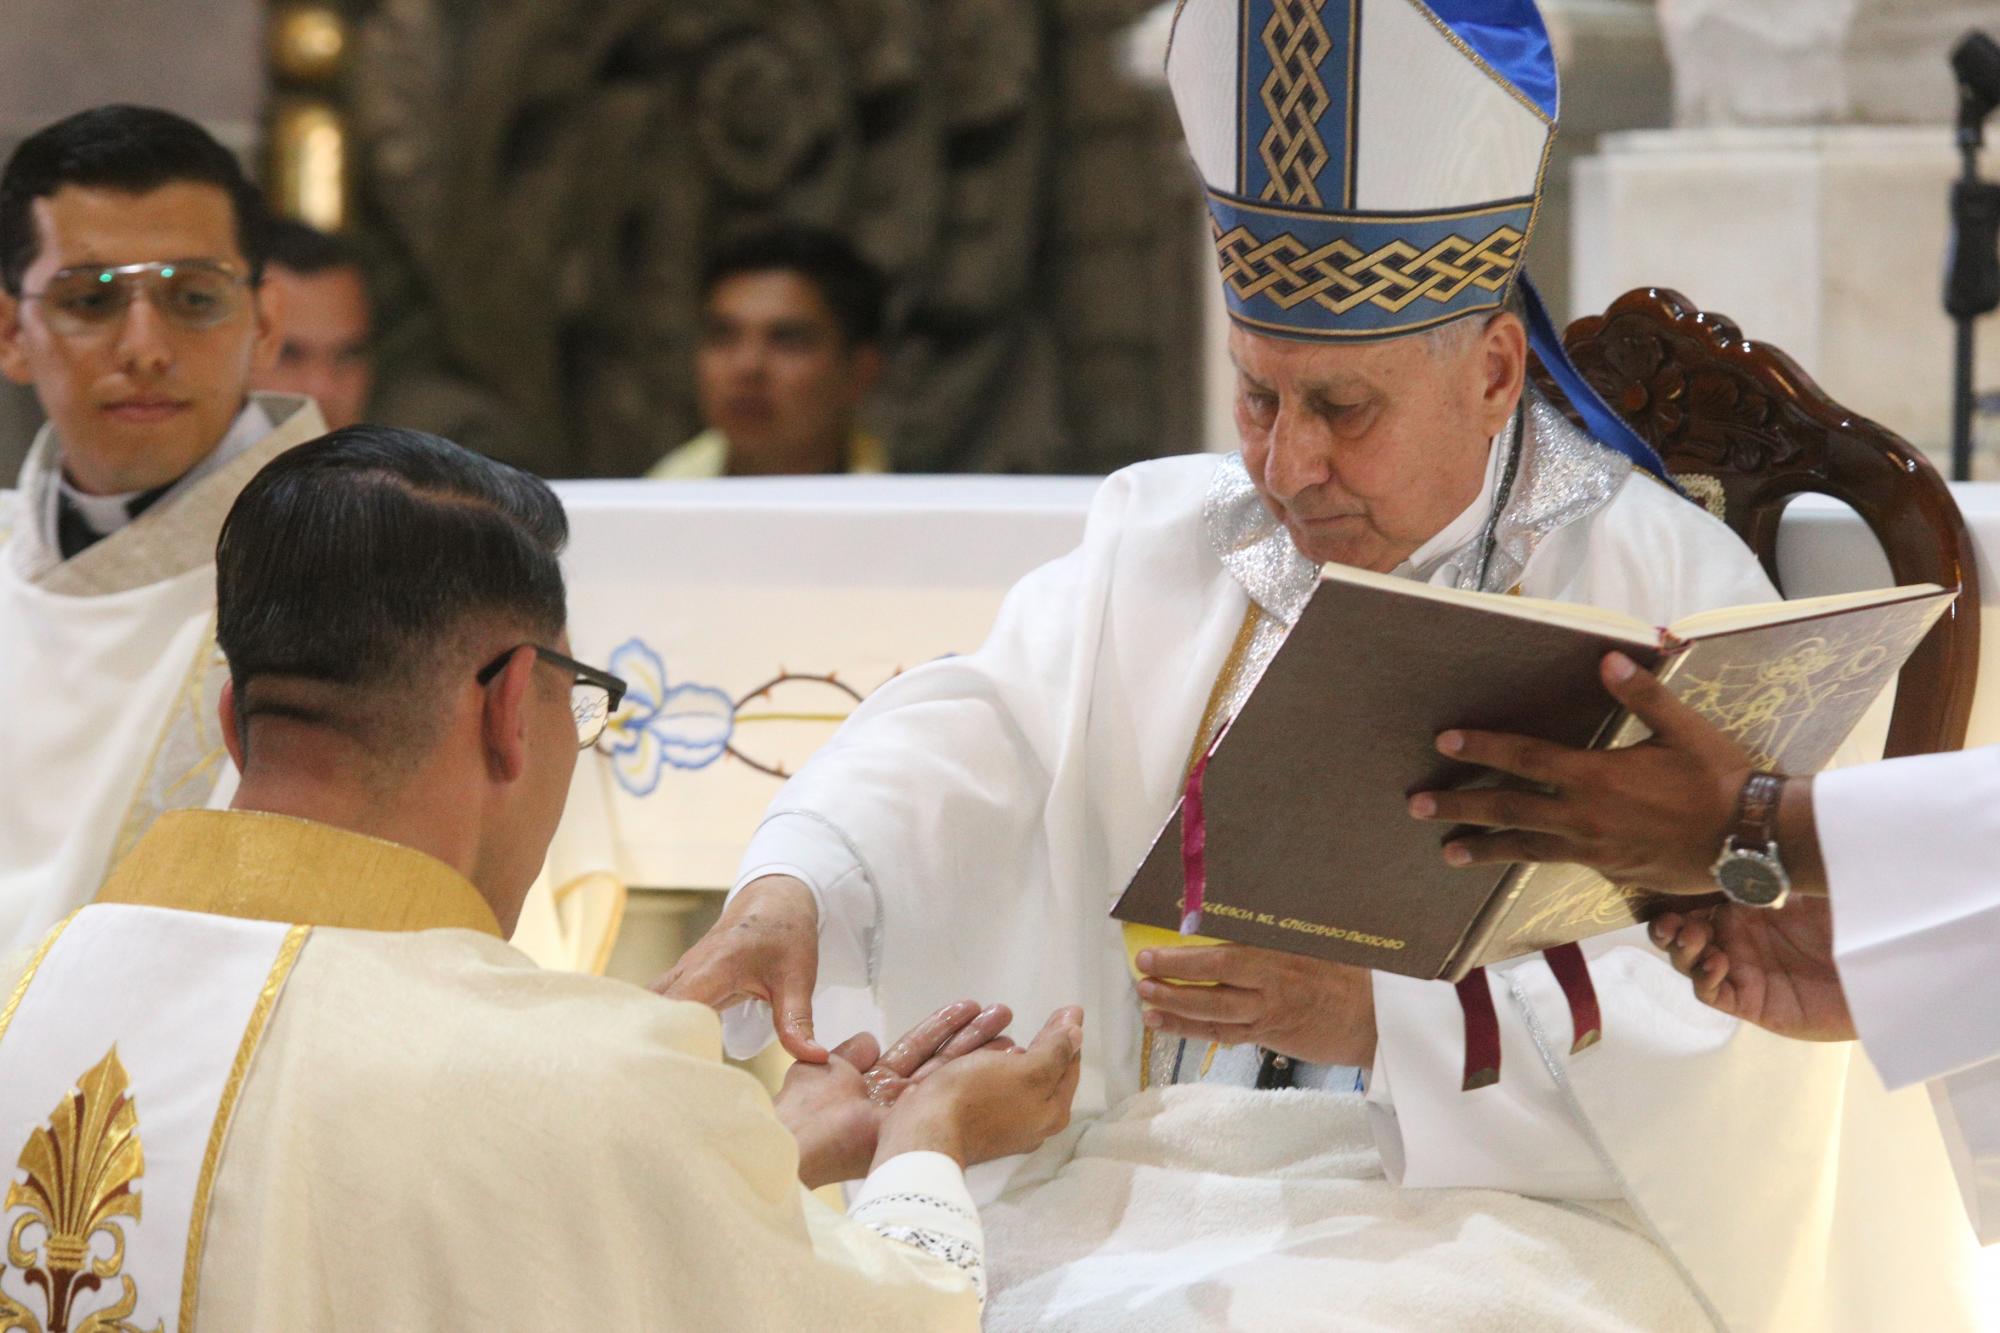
<point>1194,851</point>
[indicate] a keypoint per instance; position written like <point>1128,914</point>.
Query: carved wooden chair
<point>1745,430</point>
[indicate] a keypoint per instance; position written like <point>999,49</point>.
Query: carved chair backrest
<point>1744,430</point>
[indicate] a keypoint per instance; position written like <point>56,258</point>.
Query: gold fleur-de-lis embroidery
<point>82,1168</point>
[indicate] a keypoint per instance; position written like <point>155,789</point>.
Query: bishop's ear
<point>1503,370</point>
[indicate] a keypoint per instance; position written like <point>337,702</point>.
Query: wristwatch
<point>1749,871</point>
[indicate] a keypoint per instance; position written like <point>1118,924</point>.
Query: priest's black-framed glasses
<point>594,695</point>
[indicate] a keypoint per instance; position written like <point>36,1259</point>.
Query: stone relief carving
<point>543,178</point>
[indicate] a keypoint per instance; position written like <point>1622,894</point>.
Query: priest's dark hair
<point>131,149</point>
<point>355,568</point>
<point>853,288</point>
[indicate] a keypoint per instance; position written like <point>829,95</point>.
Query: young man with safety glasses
<point>131,298</point>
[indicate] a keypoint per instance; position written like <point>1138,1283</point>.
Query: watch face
<point>1751,878</point>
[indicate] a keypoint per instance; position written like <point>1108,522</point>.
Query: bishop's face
<point>1366,451</point>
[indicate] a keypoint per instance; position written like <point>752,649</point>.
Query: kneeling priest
<point>285,1072</point>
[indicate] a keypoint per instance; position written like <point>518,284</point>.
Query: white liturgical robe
<point>108,664</point>
<point>285,1076</point>
<point>1912,852</point>
<point>969,827</point>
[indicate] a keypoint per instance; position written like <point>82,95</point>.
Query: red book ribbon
<point>1573,974</point>
<point>1482,1031</point>
<point>1194,851</point>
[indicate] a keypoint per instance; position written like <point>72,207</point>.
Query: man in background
<point>132,262</point>
<point>326,351</point>
<point>791,332</point>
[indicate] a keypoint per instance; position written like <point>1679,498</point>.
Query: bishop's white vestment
<point>967,830</point>
<point>1912,851</point>
<point>285,1076</point>
<point>109,667</point>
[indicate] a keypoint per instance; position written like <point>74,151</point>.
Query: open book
<point>1306,842</point>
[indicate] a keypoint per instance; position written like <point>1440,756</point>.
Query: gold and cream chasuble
<point>106,1207</point>
<point>284,1076</point>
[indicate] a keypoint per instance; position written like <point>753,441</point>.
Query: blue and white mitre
<point>1373,168</point>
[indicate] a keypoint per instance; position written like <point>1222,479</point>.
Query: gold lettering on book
<point>82,1169</point>
<point>1293,924</point>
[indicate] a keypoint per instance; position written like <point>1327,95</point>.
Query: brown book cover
<point>1309,847</point>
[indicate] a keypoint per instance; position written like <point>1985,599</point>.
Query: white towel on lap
<point>1204,1207</point>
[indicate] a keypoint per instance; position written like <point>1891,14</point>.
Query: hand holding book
<point>1649,816</point>
<point>1656,813</point>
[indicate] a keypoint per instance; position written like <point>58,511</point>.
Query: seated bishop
<point>285,1073</point>
<point>1296,1142</point>
<point>132,261</point>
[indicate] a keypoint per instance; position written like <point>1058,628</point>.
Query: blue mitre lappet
<point>1373,168</point>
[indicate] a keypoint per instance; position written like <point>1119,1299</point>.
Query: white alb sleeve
<point>809,850</point>
<point>919,1199</point>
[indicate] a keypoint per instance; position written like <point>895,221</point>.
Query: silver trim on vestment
<point>1565,476</point>
<point>1254,546</point>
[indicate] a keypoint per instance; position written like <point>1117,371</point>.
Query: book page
<point>1567,615</point>
<point>1731,618</point>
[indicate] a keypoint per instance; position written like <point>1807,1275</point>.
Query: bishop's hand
<point>765,947</point>
<point>1299,1007</point>
<point>1771,968</point>
<point>836,1110</point>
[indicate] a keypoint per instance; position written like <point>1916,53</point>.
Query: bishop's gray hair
<point>1452,339</point>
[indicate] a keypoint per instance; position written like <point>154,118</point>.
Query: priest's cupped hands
<point>765,947</point>
<point>953,1084</point>
<point>835,1110</point>
<point>1237,995</point>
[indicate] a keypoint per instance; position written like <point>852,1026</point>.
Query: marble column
<point>202,59</point>
<point>1803,192</point>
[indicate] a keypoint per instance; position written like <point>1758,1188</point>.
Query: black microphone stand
<point>1972,274</point>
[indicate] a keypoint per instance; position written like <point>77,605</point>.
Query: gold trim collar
<point>266,867</point>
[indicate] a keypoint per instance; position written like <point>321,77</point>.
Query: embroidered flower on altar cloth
<point>661,725</point>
